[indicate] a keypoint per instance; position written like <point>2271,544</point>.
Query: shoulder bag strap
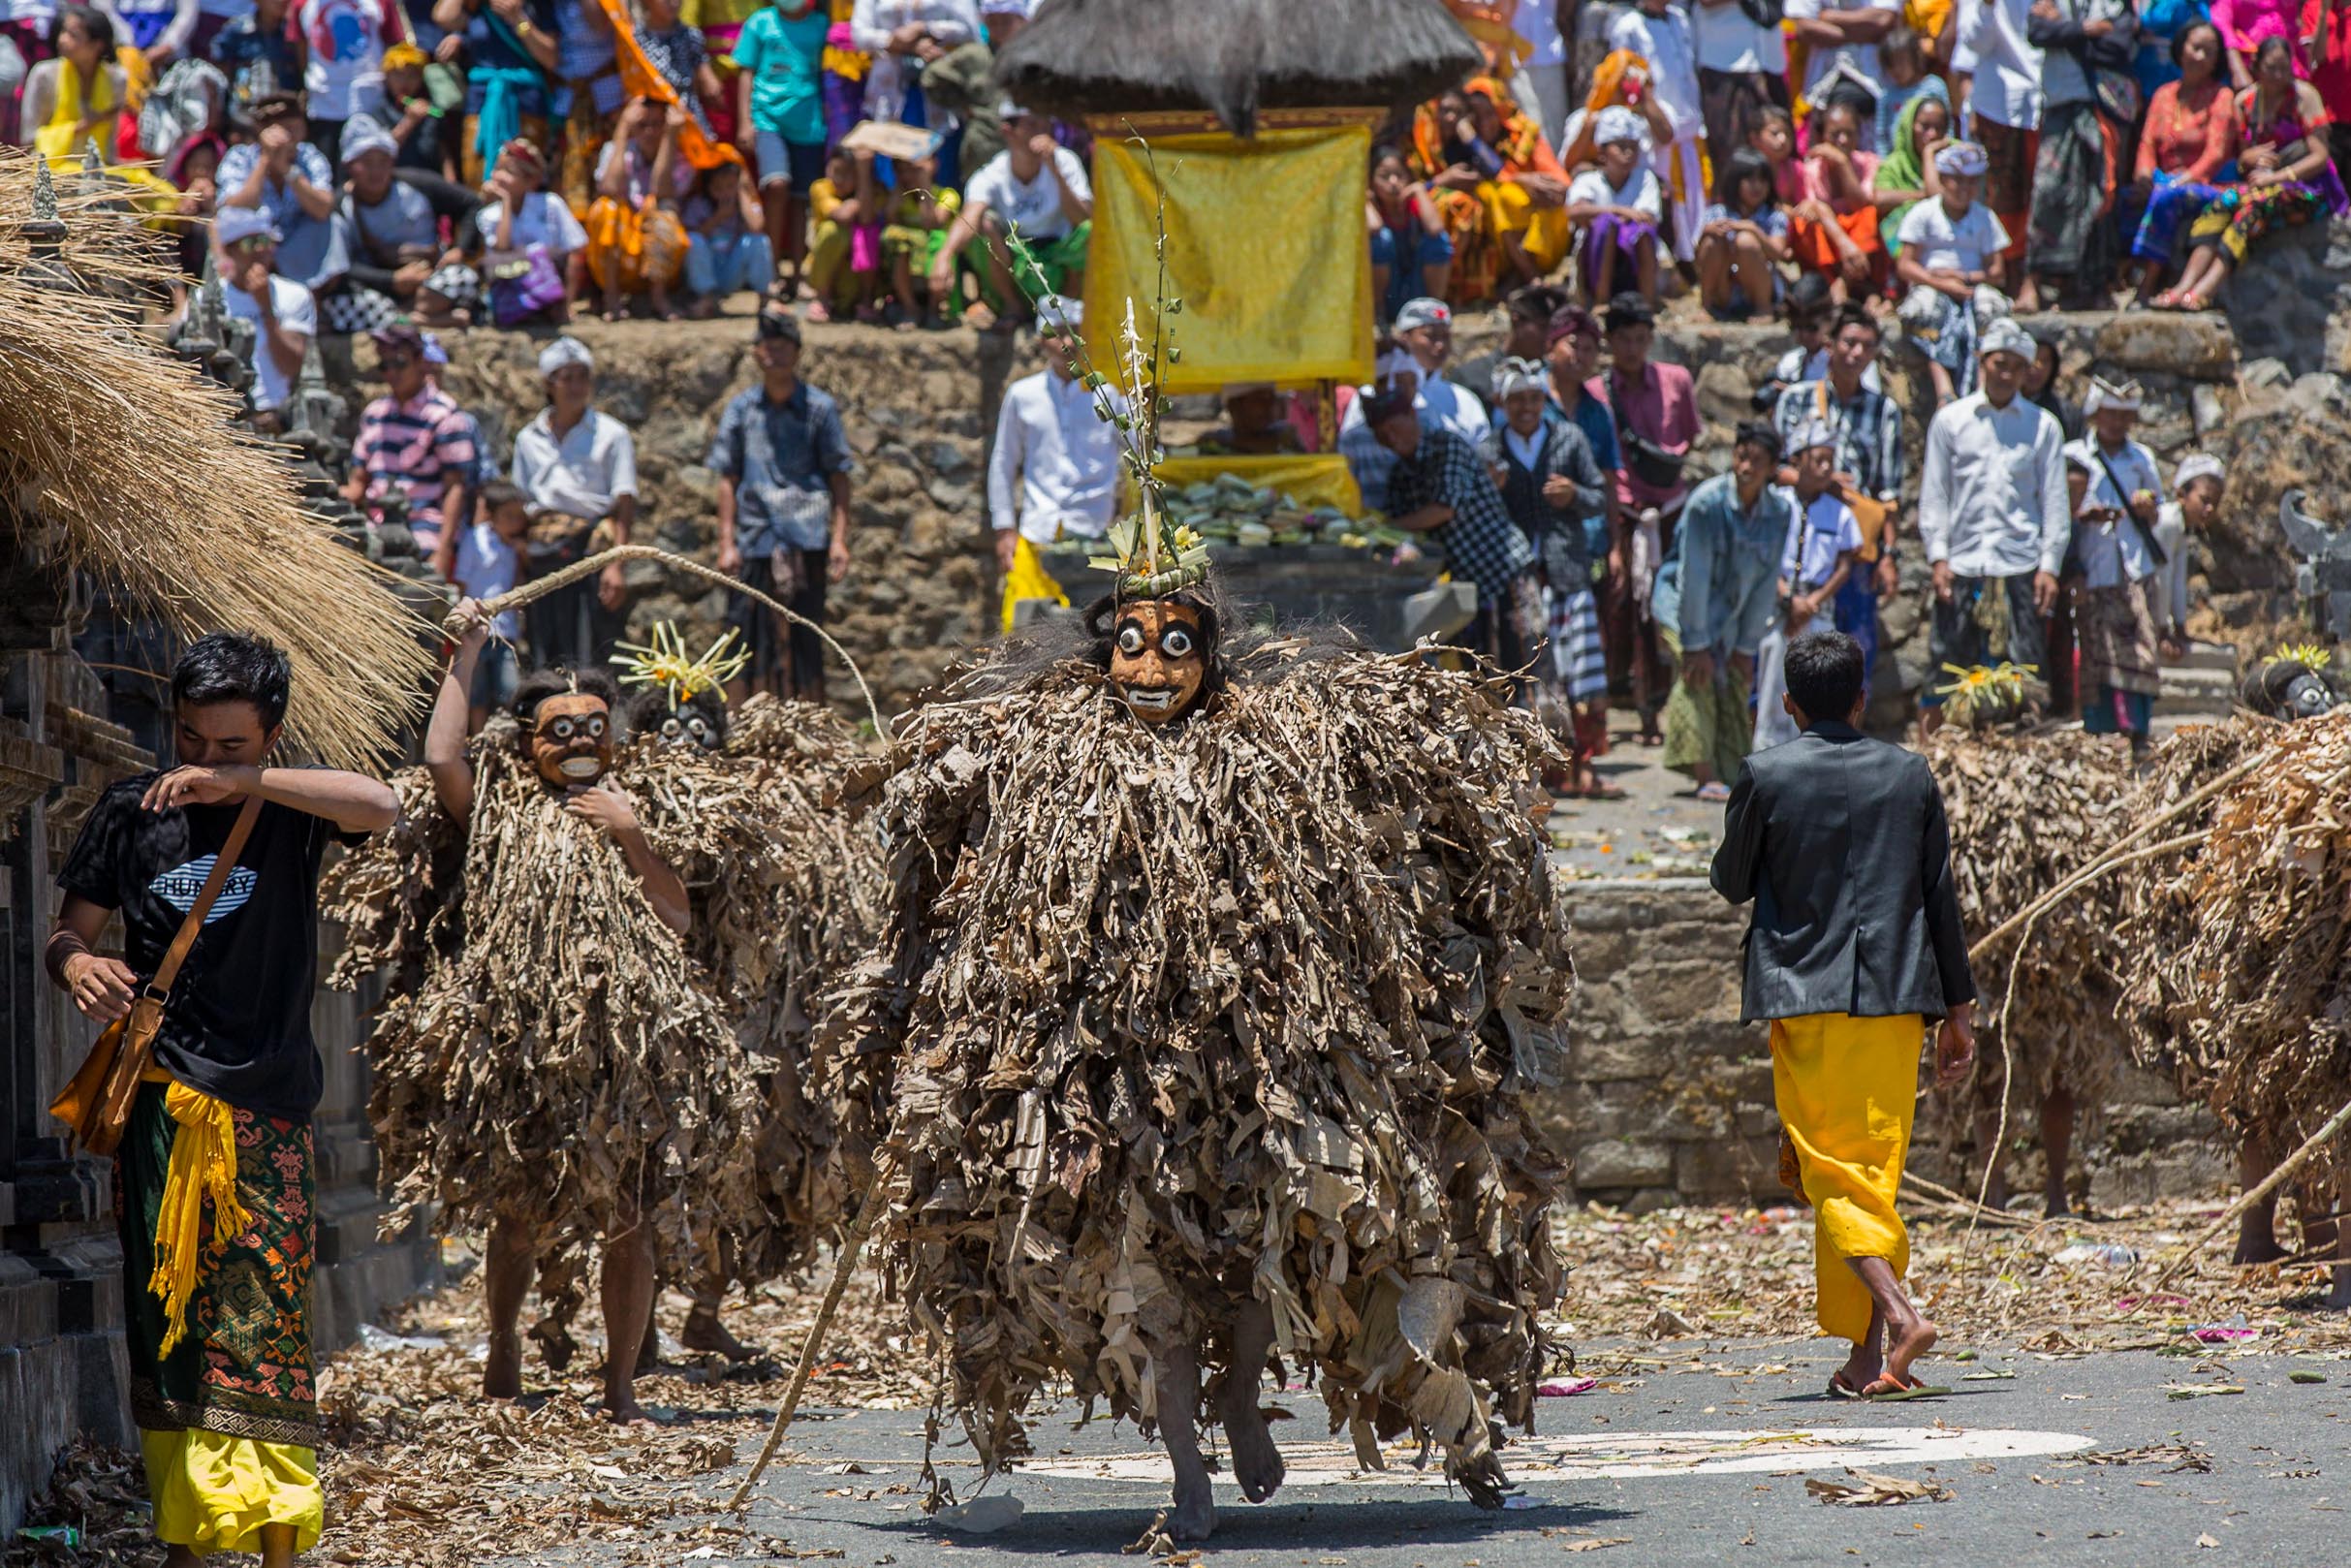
<point>166,972</point>
<point>2147,535</point>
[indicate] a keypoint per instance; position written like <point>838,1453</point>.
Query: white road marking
<point>1627,1456</point>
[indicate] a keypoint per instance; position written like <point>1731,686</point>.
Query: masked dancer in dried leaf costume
<point>769,772</point>
<point>2233,949</point>
<point>550,1060</point>
<point>1220,969</point>
<point>2028,806</point>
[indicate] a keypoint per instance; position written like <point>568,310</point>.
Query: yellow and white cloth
<point>1847,1088</point>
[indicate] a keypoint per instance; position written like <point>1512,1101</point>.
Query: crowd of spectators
<point>506,163</point>
<point>1958,158</point>
<point>412,168</point>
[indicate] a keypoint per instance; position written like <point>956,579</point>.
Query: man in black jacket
<point>1842,843</point>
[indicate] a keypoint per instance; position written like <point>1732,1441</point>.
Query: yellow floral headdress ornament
<point>663,662</point>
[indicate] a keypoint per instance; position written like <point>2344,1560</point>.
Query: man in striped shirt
<point>415,442</point>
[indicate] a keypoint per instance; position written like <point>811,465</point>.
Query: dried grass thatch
<point>1246,1008</point>
<point>2026,812</point>
<point>2246,953</point>
<point>1234,58</point>
<point>547,1051</point>
<point>133,455</point>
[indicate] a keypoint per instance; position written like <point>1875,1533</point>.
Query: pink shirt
<point>1662,408</point>
<point>2245,23</point>
<point>1812,186</point>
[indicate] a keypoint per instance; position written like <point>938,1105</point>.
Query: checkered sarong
<point>1578,664</point>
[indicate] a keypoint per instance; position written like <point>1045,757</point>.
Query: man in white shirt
<point>1994,516</point>
<point>1037,189</point>
<point>2114,557</point>
<point>2004,104</point>
<point>576,467</point>
<point>1844,32</point>
<point>284,315</point>
<point>1540,83</point>
<point>1661,34</point>
<point>1052,473</point>
<point>1424,333</point>
<point>1742,68</point>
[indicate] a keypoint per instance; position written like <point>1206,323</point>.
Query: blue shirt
<point>785,57</point>
<point>781,456</point>
<point>1720,582</point>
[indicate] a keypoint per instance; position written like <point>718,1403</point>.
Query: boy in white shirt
<point>1951,260</point>
<point>490,558</point>
<point>1823,543</point>
<point>1617,206</point>
<point>2115,558</point>
<point>1661,34</point>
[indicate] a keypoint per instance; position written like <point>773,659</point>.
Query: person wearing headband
<point>1550,485</point>
<point>1994,516</point>
<point>1618,205</point>
<point>2189,515</point>
<point>2111,567</point>
<point>1950,256</point>
<point>1714,603</point>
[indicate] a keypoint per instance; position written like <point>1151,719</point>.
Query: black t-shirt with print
<point>237,1025</point>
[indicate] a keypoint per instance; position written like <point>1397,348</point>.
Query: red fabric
<point>2186,140</point>
<point>1661,407</point>
<point>2333,77</point>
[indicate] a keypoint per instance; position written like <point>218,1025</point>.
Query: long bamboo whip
<point>2286,1167</point>
<point>540,587</point>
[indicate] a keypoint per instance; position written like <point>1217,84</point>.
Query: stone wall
<point>1669,1096</point>
<point>916,406</point>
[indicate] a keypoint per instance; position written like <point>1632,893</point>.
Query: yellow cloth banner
<point>1309,479</point>
<point>1265,249</point>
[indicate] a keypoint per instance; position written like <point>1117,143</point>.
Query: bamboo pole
<point>853,1246</point>
<point>540,587</point>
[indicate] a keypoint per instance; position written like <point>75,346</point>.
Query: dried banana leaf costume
<point>773,926</point>
<point>2253,991</point>
<point>2029,809</point>
<point>1242,992</point>
<point>547,1047</point>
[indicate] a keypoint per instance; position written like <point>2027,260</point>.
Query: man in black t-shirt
<point>222,1353</point>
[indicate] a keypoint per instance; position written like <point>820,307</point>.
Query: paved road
<point>1676,1467</point>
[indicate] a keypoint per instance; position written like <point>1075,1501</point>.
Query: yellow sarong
<point>216,1493</point>
<point>1846,1088</point>
<point>1028,580</point>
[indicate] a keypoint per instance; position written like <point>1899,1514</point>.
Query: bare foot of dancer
<point>502,1372</point>
<point>1257,1463</point>
<point>1194,1515</point>
<point>705,1332</point>
<point>2257,1226</point>
<point>1906,1342</point>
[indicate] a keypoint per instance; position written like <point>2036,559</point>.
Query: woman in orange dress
<point>1497,186</point>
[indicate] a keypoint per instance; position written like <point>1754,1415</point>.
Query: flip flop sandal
<point>1891,1390</point>
<point>1840,1387</point>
